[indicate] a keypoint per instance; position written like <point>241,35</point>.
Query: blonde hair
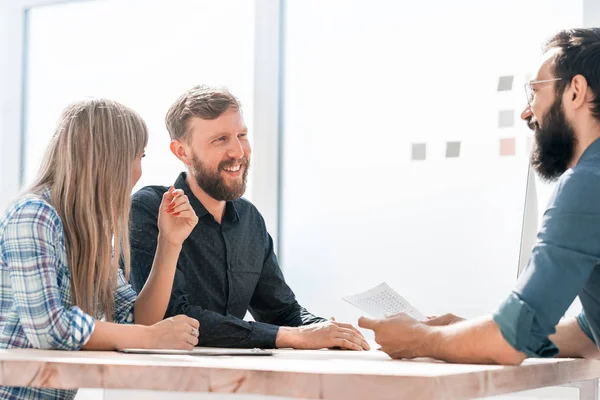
<point>88,167</point>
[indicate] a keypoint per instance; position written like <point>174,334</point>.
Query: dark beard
<point>554,144</point>
<point>214,184</point>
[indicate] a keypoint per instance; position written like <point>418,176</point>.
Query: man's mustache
<point>532,124</point>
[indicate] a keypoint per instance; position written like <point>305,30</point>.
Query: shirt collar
<point>45,194</point>
<point>593,150</point>
<point>231,212</point>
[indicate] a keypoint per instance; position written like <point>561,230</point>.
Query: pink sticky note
<point>507,147</point>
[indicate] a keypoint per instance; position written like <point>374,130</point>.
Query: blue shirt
<point>562,264</point>
<point>36,300</point>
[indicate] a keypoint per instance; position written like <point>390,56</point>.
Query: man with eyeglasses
<point>563,110</point>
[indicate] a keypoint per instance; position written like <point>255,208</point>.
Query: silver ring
<point>195,332</point>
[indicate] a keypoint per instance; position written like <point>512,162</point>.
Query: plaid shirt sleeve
<point>125,298</point>
<point>33,257</point>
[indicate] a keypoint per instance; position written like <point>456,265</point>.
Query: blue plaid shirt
<point>36,301</point>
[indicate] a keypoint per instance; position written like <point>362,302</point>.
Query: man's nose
<point>236,150</point>
<point>526,114</point>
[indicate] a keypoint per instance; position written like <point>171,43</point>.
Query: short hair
<point>579,54</point>
<point>206,102</point>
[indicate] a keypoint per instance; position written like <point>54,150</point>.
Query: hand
<point>176,218</point>
<point>322,335</point>
<point>446,319</point>
<point>400,336</point>
<point>180,332</point>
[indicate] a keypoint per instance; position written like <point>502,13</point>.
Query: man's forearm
<point>572,342</point>
<point>477,341</point>
<point>297,315</point>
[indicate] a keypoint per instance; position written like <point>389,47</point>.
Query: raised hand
<point>176,218</point>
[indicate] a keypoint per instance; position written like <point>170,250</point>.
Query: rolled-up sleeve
<point>30,252</point>
<point>567,251</point>
<point>585,326</point>
<point>519,326</point>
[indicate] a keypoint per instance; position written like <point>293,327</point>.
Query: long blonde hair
<point>87,168</point>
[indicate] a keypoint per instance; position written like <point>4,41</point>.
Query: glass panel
<point>375,187</point>
<point>141,53</point>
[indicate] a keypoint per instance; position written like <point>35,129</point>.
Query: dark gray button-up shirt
<point>223,271</point>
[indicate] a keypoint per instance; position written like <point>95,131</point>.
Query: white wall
<point>10,98</point>
<point>354,51</point>
<point>364,83</point>
<point>145,60</point>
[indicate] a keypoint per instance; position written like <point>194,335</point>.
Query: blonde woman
<point>60,284</point>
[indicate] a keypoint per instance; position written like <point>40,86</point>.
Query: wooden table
<point>326,374</point>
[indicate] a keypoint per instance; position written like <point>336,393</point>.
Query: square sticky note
<point>452,149</point>
<point>505,83</point>
<point>507,147</point>
<point>419,151</point>
<point>506,118</point>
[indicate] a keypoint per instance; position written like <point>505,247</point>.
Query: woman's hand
<point>176,218</point>
<point>180,332</point>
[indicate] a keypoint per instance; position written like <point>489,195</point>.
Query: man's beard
<point>554,145</point>
<point>214,184</point>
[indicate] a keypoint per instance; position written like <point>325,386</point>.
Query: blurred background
<point>387,139</point>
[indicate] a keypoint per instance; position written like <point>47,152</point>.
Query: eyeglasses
<point>529,92</point>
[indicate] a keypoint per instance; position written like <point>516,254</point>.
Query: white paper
<point>383,301</point>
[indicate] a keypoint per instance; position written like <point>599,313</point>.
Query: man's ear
<point>580,92</point>
<point>180,150</point>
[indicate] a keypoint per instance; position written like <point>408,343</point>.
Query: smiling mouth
<point>234,168</point>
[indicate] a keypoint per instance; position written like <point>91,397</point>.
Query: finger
<point>193,323</point>
<point>356,338</point>
<point>168,196</point>
<point>184,327</point>
<point>349,326</point>
<point>187,346</point>
<point>179,209</point>
<point>194,332</point>
<point>183,344</point>
<point>178,201</point>
<point>179,197</point>
<point>346,344</point>
<point>445,319</point>
<point>188,339</point>
<point>365,345</point>
<point>386,350</point>
<point>191,339</point>
<point>433,321</point>
<point>185,323</point>
<point>367,323</point>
